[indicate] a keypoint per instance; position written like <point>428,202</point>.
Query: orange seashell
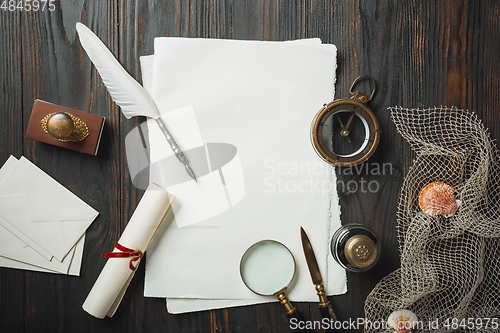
<point>438,199</point>
<point>402,321</point>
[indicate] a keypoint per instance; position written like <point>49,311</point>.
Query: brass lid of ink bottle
<point>360,251</point>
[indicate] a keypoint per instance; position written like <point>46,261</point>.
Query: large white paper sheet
<point>266,109</point>
<point>183,305</point>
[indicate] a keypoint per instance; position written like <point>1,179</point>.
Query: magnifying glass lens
<point>267,267</point>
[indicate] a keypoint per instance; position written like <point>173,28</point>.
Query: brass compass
<point>345,132</point>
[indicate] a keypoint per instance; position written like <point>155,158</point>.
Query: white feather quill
<point>132,98</point>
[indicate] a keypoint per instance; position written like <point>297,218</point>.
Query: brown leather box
<point>89,145</point>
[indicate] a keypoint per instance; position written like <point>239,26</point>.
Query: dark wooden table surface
<point>421,53</point>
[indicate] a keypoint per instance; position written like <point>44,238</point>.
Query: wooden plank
<point>482,82</point>
<point>419,52</point>
<point>57,70</point>
<point>103,19</point>
<point>361,190</point>
<point>12,281</point>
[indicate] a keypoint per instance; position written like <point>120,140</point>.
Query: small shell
<point>402,321</point>
<point>438,199</point>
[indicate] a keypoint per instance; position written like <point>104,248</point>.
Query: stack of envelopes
<point>42,224</point>
<point>241,111</point>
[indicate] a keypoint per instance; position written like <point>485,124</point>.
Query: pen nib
<point>190,172</point>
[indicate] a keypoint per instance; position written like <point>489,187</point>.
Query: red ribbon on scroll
<point>126,252</point>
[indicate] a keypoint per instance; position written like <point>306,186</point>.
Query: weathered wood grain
<point>12,282</point>
<point>421,53</point>
<point>57,70</point>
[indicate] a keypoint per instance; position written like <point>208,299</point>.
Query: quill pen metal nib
<point>325,307</point>
<point>175,147</point>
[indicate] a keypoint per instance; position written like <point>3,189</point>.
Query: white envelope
<point>41,212</point>
<point>14,253</point>
<point>17,254</point>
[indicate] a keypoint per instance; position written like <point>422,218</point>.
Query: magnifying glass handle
<point>293,314</point>
<point>327,311</point>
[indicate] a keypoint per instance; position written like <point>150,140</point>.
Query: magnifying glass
<point>267,268</point>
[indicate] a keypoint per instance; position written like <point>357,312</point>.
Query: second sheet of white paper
<point>261,98</point>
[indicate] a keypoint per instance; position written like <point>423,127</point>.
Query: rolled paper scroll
<point>112,283</point>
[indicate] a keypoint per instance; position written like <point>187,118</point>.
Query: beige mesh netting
<point>450,267</point>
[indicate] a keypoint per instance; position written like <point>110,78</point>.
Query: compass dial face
<point>345,132</point>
